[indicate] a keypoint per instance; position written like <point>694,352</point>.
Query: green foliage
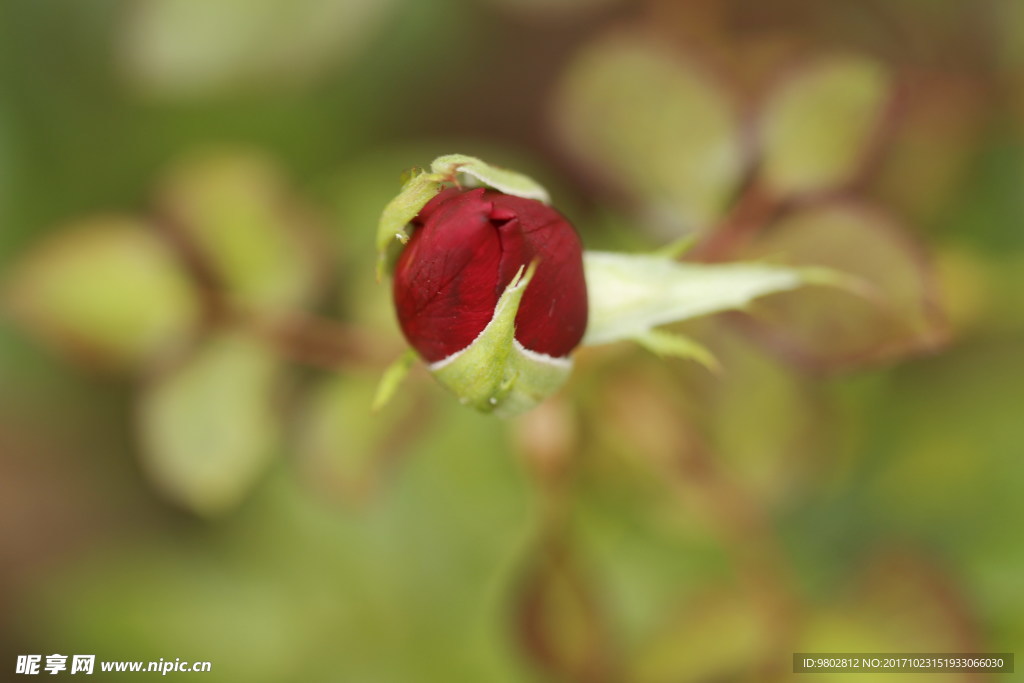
<point>653,124</point>
<point>234,209</point>
<point>107,289</point>
<point>342,445</point>
<point>690,647</point>
<point>895,308</point>
<point>818,124</point>
<point>210,426</point>
<point>241,44</point>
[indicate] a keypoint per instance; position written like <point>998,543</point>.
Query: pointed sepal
<point>495,374</point>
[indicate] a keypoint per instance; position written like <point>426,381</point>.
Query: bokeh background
<point>191,335</point>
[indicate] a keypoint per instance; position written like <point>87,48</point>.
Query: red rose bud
<point>490,287</point>
<point>466,248</point>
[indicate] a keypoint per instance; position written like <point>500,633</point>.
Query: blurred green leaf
<point>827,326</point>
<point>653,124</point>
<point>817,126</point>
<point>212,608</point>
<point>177,48</point>
<point>210,426</point>
<point>901,603</point>
<point>6,170</point>
<point>559,621</point>
<point>929,156</point>
<point>345,447</point>
<point>235,209</point>
<point>989,209</point>
<point>948,468</point>
<point>629,294</point>
<point>718,636</point>
<point>634,519</point>
<point>1008,23</point>
<point>421,572</point>
<point>642,422</point>
<point>107,290</point>
<point>763,422</point>
<point>552,9</point>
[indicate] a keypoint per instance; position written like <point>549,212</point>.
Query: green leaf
<point>816,129</point>
<point>629,294</point>
<point>183,48</point>
<point>209,427</point>
<point>889,307</point>
<point>342,447</point>
<point>501,179</point>
<point>107,290</point>
<point>654,124</point>
<point>237,212</point>
<point>721,635</point>
<point>495,373</point>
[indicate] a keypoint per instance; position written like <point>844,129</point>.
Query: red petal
<point>553,313</point>
<point>445,278</point>
<point>465,248</point>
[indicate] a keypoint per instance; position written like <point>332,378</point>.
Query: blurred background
<point>191,334</point>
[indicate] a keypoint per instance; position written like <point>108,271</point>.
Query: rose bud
<point>490,291</point>
<point>493,291</point>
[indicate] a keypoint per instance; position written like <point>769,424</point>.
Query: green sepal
<point>419,189</point>
<point>392,378</point>
<point>495,374</point>
<point>501,179</point>
<point>676,248</point>
<point>670,344</point>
